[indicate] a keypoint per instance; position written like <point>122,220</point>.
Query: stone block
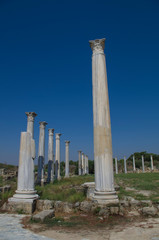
<point>27,206</point>
<point>114,210</point>
<point>43,215</point>
<point>151,211</point>
<point>86,206</point>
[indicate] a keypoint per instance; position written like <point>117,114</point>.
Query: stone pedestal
<point>143,167</point>
<point>125,167</point>
<point>134,167</point>
<point>116,165</point>
<point>41,153</point>
<point>67,158</point>
<point>50,177</point>
<point>152,168</point>
<point>79,163</point>
<point>27,206</point>
<point>104,179</point>
<point>57,157</point>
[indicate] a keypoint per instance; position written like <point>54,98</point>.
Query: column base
<point>27,206</point>
<point>106,198</point>
<point>25,195</point>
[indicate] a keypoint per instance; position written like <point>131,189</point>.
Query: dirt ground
<point>94,228</point>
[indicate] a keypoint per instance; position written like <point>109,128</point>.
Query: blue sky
<point>45,66</point>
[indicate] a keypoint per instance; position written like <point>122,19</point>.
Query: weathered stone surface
<point>58,205</point>
<point>77,204</point>
<point>152,211</point>
<point>67,207</point>
<point>43,215</point>
<point>44,205</point>
<point>134,213</point>
<point>104,212</point>
<point>86,206</point>
<point>27,206</point>
<point>134,203</point>
<point>114,210</point>
<point>124,203</point>
<point>146,203</point>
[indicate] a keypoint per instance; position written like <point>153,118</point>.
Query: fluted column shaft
<point>125,166</point>
<point>57,157</point>
<point>79,163</point>
<point>82,164</point>
<point>41,153</point>
<point>116,165</point>
<point>152,168</point>
<point>134,167</point>
<point>143,167</point>
<point>67,158</point>
<point>25,183</point>
<point>104,177</point>
<point>50,156</point>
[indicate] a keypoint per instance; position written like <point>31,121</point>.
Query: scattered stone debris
<point>41,216</point>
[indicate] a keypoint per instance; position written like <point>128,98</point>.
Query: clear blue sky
<point>45,66</point>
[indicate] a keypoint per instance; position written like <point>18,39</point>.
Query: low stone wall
<point>127,207</point>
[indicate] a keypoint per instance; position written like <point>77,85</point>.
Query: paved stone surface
<point>12,229</point>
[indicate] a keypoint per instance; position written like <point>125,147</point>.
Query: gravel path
<point>12,229</point>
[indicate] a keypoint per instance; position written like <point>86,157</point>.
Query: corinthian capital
<point>97,45</point>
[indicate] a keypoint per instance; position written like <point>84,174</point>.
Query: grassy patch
<point>65,189</point>
<point>142,181</point>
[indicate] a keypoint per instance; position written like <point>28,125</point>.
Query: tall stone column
<point>104,178</point>
<point>125,167</point>
<point>82,165</point>
<point>79,163</point>
<point>57,157</point>
<point>67,158</point>
<point>87,165</point>
<point>152,168</point>
<point>41,153</point>
<point>134,167</point>
<point>30,122</point>
<point>143,167</point>
<point>50,156</point>
<point>25,186</point>
<point>84,168</point>
<point>116,165</point>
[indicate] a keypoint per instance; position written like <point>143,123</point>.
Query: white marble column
<point>41,153</point>
<point>30,122</point>
<point>152,168</point>
<point>143,167</point>
<point>67,158</point>
<point>116,165</point>
<point>134,167</point>
<point>30,128</point>
<point>104,176</point>
<point>50,156</point>
<point>57,157</point>
<point>79,163</point>
<point>125,166</point>
<point>25,186</point>
<point>87,165</point>
<point>82,165</point>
